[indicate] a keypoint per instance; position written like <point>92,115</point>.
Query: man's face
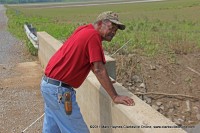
<point>108,30</point>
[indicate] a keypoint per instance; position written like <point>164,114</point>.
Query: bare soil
<point>176,79</point>
<point>20,74</point>
<point>20,102</point>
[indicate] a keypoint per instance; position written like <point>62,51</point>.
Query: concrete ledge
<point>47,47</point>
<point>97,108</point>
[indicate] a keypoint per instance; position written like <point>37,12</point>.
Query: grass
<point>171,27</point>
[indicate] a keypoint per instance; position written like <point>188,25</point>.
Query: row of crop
<point>144,36</point>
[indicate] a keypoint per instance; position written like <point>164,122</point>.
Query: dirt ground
<point>20,74</point>
<point>21,102</point>
<point>170,85</point>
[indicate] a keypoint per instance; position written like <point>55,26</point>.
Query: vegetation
<point>170,27</point>
<point>39,1</point>
<point>26,1</point>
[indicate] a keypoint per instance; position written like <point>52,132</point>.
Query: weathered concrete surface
<point>45,50</point>
<point>95,102</point>
<point>196,129</point>
<point>97,108</point>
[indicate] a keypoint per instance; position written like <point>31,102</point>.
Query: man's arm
<point>100,71</point>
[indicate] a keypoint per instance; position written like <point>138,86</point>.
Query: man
<point>69,67</point>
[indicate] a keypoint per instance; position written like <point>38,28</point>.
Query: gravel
<point>12,50</point>
<point>20,98</point>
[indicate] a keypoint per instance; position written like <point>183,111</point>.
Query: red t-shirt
<point>72,62</point>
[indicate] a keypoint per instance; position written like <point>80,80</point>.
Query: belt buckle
<point>47,79</point>
<point>60,83</point>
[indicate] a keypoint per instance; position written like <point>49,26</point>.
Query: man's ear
<point>100,23</point>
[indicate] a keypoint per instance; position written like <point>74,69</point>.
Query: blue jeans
<point>56,120</point>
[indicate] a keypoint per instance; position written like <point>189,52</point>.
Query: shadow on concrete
<point>105,118</point>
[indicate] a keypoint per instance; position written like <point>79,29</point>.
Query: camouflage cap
<point>113,17</point>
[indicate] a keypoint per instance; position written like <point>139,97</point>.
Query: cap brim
<point>119,24</point>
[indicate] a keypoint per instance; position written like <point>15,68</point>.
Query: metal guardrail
<point>31,35</point>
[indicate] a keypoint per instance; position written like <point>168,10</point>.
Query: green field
<point>171,27</point>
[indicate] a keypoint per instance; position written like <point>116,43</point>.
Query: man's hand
<point>123,100</point>
<point>99,70</point>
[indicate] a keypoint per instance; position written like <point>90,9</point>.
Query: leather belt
<point>56,82</point>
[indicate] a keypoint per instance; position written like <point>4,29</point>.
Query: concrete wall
<point>100,114</point>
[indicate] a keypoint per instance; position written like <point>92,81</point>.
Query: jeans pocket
<point>50,100</point>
